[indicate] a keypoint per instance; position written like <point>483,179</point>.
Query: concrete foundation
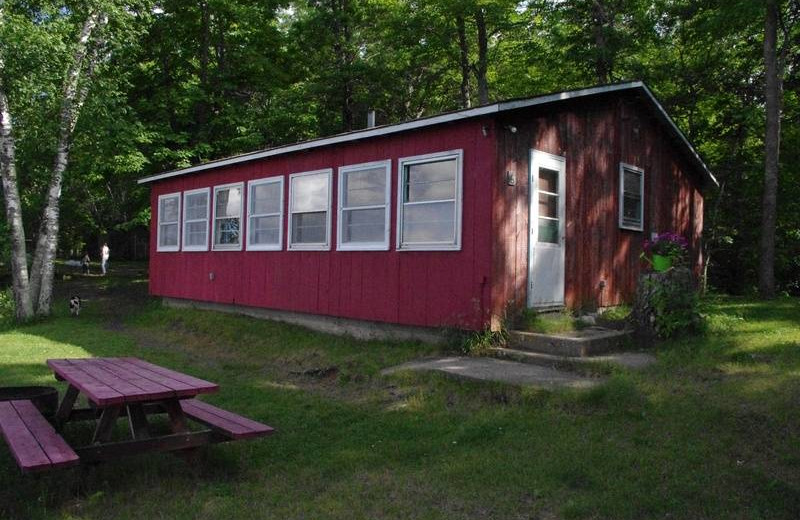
<point>359,329</point>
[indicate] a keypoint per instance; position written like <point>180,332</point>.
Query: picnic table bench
<point>114,388</point>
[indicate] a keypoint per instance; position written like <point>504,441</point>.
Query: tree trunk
<point>483,57</point>
<point>602,62</point>
<point>772,94</point>
<point>8,170</point>
<point>72,99</point>
<point>201,108</point>
<point>344,58</point>
<point>463,47</point>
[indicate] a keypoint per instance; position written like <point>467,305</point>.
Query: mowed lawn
<point>711,431</point>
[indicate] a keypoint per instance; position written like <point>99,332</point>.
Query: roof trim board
<point>437,120</point>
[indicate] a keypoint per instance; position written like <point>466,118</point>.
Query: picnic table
<point>115,388</point>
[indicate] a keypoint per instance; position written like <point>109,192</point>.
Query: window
<point>265,214</point>
<point>309,210</point>
<point>227,217</point>
<point>195,220</point>
<point>631,197</point>
<point>364,207</point>
<point>429,209</point>
<point>169,215</point>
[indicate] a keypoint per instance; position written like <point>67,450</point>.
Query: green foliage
<point>618,313</point>
<point>478,343</point>
<point>675,309</point>
<point>7,306</point>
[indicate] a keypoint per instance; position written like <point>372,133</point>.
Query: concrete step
<point>590,341</point>
<point>632,360</point>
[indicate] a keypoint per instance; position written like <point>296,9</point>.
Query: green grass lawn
<point>711,431</point>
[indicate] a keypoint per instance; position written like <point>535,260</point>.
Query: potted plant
<point>665,250</point>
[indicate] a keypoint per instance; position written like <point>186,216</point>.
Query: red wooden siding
<point>594,136</point>
<point>427,288</point>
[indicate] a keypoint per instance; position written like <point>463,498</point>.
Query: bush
<point>8,307</point>
<point>667,304</point>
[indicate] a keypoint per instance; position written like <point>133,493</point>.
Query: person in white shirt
<point>105,253</point>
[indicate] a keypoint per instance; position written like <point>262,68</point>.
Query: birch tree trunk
<point>73,96</point>
<point>8,171</point>
<point>766,270</point>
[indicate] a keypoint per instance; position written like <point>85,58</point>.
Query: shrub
<point>667,304</point>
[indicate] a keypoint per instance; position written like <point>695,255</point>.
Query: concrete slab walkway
<point>490,369</point>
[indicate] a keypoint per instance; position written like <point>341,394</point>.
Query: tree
<point>772,138</point>
<point>33,289</point>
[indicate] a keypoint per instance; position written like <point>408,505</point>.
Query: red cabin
<point>448,221</point>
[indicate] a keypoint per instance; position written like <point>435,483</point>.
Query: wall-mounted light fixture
<point>511,128</point>
<point>511,178</point>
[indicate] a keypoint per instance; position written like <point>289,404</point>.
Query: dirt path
<point>111,297</point>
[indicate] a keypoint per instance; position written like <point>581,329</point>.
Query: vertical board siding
<point>594,137</point>
<point>425,288</point>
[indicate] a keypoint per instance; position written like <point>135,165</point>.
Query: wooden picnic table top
<point>123,380</point>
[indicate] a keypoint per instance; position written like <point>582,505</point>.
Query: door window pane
<point>548,180</point>
<point>548,205</point>
<point>548,231</point>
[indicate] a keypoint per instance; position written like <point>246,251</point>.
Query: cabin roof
<point>458,115</point>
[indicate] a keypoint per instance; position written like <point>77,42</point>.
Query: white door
<point>546,244</point>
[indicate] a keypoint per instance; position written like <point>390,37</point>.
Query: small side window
<point>631,197</point>
<point>169,216</point>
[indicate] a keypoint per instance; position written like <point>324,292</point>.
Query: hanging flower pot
<point>661,263</point>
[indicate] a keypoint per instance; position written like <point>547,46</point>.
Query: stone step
<point>590,341</point>
<point>632,360</point>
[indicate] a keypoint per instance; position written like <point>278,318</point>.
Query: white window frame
<point>455,245</point>
<point>237,247</point>
<point>207,192</point>
<point>250,186</point>
<point>341,245</point>
<point>320,246</point>
<point>622,223</point>
<point>177,246</point>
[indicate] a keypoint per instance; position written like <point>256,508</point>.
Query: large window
<point>169,216</point>
<point>195,220</point>
<point>429,209</point>
<point>310,210</point>
<point>631,197</point>
<point>228,217</point>
<point>364,207</point>
<point>265,214</point>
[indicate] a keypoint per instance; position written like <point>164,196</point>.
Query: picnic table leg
<point>107,419</point>
<point>65,408</point>
<point>140,429</point>
<point>177,419</point>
